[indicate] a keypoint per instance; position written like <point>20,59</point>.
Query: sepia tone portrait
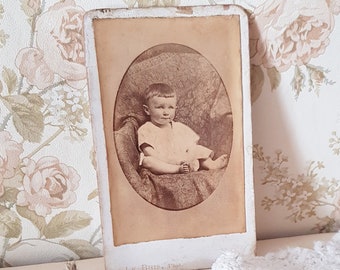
<point>201,104</point>
<point>199,61</point>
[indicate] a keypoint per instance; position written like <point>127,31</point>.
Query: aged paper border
<point>190,251</point>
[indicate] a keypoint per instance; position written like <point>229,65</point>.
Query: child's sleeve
<point>144,137</point>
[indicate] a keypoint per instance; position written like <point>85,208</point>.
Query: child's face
<point>161,110</point>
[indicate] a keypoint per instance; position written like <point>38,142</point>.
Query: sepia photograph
<point>170,101</point>
<point>173,126</point>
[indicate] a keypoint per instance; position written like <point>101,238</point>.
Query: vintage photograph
<point>200,73</point>
<point>173,126</point>
<point>170,101</point>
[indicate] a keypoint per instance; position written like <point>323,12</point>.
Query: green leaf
<point>29,9</point>
<point>130,3</point>
<point>298,81</point>
<point>29,125</point>
<point>92,195</point>
<point>10,195</point>
<point>257,80</point>
<point>27,117</point>
<point>37,220</point>
<point>10,224</point>
<point>66,223</point>
<point>82,248</point>
<point>10,78</point>
<point>3,38</point>
<point>35,100</point>
<point>274,78</point>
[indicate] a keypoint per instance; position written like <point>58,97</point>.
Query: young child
<point>167,146</point>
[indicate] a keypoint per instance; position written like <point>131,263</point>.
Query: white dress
<point>174,147</point>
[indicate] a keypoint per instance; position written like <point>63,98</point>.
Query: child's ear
<point>146,109</point>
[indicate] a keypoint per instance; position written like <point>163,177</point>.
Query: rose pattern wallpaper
<point>49,206</point>
<point>45,133</point>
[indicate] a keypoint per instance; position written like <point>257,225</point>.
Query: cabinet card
<point>170,102</point>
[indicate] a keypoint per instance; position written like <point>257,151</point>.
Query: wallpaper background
<point>49,208</point>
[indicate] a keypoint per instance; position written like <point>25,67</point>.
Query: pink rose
<point>48,184</point>
<point>286,33</point>
<point>334,6</point>
<point>31,64</point>
<point>60,37</point>
<point>10,152</point>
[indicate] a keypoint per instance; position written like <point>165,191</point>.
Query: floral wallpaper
<point>49,208</point>
<point>289,35</point>
<point>295,148</point>
<point>48,192</point>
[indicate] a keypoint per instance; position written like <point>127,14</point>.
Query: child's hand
<point>184,167</point>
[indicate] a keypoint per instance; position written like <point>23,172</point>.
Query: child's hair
<point>158,90</point>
